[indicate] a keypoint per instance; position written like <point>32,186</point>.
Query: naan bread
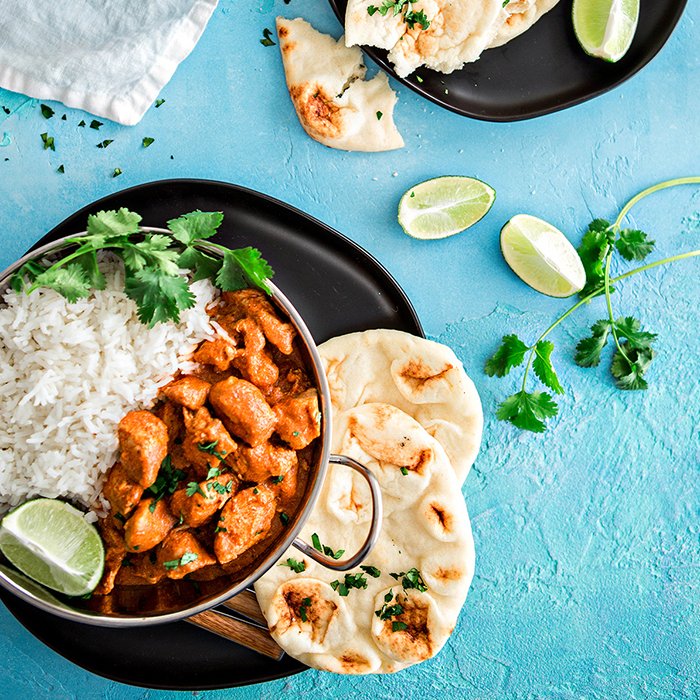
<point>334,103</point>
<point>458,31</point>
<point>425,527</point>
<point>522,14</point>
<point>421,377</point>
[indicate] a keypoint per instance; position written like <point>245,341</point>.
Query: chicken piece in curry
<point>210,477</point>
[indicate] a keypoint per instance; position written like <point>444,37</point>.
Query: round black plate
<point>337,287</point>
<point>543,70</point>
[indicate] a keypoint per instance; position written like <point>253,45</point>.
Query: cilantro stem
<point>693,180</point>
<point>665,261</point>
<point>608,301</point>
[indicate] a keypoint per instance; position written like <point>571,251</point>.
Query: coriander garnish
<point>351,581</point>
<point>159,103</point>
<point>411,579</point>
<point>193,487</point>
<point>296,566</point>
<point>105,143</point>
<point>117,172</point>
<point>94,124</point>
<point>305,605</point>
<point>316,542</point>
<point>48,142</point>
<point>46,111</point>
<point>147,141</point>
<point>266,40</point>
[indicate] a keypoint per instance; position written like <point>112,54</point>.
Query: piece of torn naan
<point>334,103</point>
<point>522,14</point>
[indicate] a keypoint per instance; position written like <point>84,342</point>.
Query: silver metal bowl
<point>35,594</point>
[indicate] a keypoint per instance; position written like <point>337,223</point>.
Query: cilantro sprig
<point>401,7</point>
<point>633,353</point>
<point>152,263</point>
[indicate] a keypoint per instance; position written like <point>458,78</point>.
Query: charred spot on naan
<point>439,520</point>
<point>317,111</point>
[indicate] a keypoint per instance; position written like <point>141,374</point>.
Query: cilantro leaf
<point>542,365</point>
<point>373,571</point>
<point>113,223</point>
<point>633,245</point>
<point>202,265</point>
<point>526,411</point>
<point>153,252</point>
<point>196,225</point>
<point>46,111</point>
<point>160,297</point>
<point>48,141</point>
<point>147,141</point>
<point>631,329</point>
<point>296,566</point>
<point>510,354</point>
<point>70,281</point>
<point>588,350</point>
<point>630,373</point>
<point>266,40</point>
<point>241,267</point>
<point>88,261</point>
<point>594,246</point>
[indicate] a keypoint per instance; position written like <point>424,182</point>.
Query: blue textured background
<point>587,537</point>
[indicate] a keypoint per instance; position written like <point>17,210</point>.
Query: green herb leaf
<point>277,479</point>
<point>70,281</point>
<point>411,579</point>
<point>188,557</point>
<point>305,605</point>
<point>112,223</point>
<point>117,172</point>
<point>373,571</point>
<point>379,116</point>
<point>412,18</point>
<point>48,142</point>
<point>82,123</point>
<point>105,143</point>
<point>61,169</point>
<point>631,329</point>
<point>510,354</point>
<point>404,471</point>
<point>633,245</point>
<point>47,111</point>
<point>196,225</point>
<point>296,566</point>
<point>94,124</point>
<point>242,267</point>
<point>153,252</point>
<point>592,251</point>
<point>147,141</point>
<point>630,373</point>
<point>542,365</point>
<point>160,297</point>
<point>202,265</point>
<point>284,518</point>
<point>193,487</point>
<point>588,350</point>
<point>526,411</point>
<point>397,625</point>
<point>159,103</point>
<point>316,542</point>
<point>266,40</point>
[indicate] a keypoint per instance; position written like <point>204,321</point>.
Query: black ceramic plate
<point>543,70</point>
<point>337,287</point>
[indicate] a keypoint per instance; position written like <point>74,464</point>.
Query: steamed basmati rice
<point>70,372</point>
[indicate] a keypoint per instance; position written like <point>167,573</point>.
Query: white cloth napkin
<point>108,57</point>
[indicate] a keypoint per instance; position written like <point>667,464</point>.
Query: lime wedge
<point>50,542</point>
<point>542,256</point>
<point>605,28</point>
<point>444,206</point>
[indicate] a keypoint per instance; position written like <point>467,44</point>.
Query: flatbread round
<point>425,542</point>
<point>421,377</point>
<point>334,103</point>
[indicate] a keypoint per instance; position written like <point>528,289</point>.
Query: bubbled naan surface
<point>423,378</point>
<point>458,31</point>
<point>425,526</point>
<point>334,103</point>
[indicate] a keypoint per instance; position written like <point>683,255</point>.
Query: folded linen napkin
<point>108,57</point>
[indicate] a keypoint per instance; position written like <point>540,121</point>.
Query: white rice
<point>70,372</point>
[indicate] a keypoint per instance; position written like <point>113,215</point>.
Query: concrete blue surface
<point>587,537</point>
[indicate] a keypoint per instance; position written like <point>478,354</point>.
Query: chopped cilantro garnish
<point>105,143</point>
<point>316,542</point>
<point>159,103</point>
<point>120,518</point>
<point>147,141</point>
<point>117,172</point>
<point>296,566</point>
<point>379,116</point>
<point>210,448</point>
<point>64,117</point>
<point>266,40</point>
<point>284,518</point>
<point>193,487</point>
<point>61,169</point>
<point>94,124</point>
<point>5,109</point>
<point>305,605</point>
<point>277,479</point>
<point>351,581</point>
<point>186,558</point>
<point>48,142</point>
<point>404,471</point>
<point>82,122</point>
<point>397,626</point>
<point>47,111</point>
<point>373,571</point>
<point>411,579</point>
<point>419,79</point>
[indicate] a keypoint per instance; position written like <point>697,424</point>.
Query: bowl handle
<point>375,526</point>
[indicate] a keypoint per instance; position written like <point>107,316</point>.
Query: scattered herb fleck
<point>48,142</point>
<point>82,122</point>
<point>210,448</point>
<point>159,103</point>
<point>147,141</point>
<point>296,566</point>
<point>284,518</point>
<point>193,487</point>
<point>411,579</point>
<point>373,571</point>
<point>105,143</point>
<point>351,581</point>
<point>47,111</point>
<point>61,169</point>
<point>94,124</point>
<point>266,40</point>
<point>305,605</point>
<point>117,172</point>
<point>5,109</point>
<point>379,116</point>
<point>404,471</point>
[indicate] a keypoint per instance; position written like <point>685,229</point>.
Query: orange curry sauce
<point>208,479</point>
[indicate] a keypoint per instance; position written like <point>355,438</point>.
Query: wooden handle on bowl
<point>246,604</point>
<point>248,635</point>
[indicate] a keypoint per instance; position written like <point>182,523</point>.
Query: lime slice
<point>542,256</point>
<point>605,28</point>
<point>50,542</point>
<point>444,206</point>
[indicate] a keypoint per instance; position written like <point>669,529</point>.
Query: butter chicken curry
<point>208,479</point>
